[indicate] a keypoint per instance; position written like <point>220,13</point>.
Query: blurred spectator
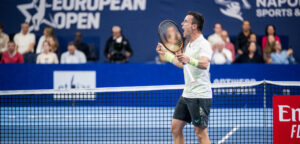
<point>53,44</point>
<point>3,40</point>
<point>12,55</point>
<point>215,37</point>
<point>253,39</point>
<point>221,55</point>
<point>270,30</point>
<point>228,44</point>
<point>81,45</point>
<point>250,55</point>
<point>24,40</point>
<point>48,32</point>
<point>270,47</point>
<point>242,38</point>
<point>117,47</point>
<point>282,56</point>
<point>72,56</point>
<point>47,57</point>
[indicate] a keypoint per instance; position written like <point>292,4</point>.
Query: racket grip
<point>185,67</point>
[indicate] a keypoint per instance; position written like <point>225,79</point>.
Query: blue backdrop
<point>140,18</point>
<point>32,76</point>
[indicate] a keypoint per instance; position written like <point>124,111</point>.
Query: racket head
<point>170,36</point>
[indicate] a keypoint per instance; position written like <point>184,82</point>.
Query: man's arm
<point>31,45</point>
<point>161,50</point>
<point>201,63</point>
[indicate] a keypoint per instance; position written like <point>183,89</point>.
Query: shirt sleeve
<point>63,58</point>
<point>228,55</point>
<point>21,59</point>
<point>38,59</point>
<point>55,59</point>
<point>32,38</point>
<point>206,51</point>
<point>40,45</point>
<point>82,58</point>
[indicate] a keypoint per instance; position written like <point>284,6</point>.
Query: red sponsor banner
<point>286,119</point>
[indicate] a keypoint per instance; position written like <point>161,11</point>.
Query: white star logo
<point>233,8</point>
<point>38,18</point>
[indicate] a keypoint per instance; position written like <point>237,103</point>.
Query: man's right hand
<point>160,49</point>
<point>289,52</point>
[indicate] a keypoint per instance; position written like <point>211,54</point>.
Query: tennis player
<point>195,102</point>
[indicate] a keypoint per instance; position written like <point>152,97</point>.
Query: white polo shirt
<point>23,41</point>
<point>77,58</point>
<point>201,88</point>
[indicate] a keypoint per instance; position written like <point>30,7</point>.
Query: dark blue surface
<point>31,76</point>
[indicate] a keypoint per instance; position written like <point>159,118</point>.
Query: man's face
<point>187,26</point>
<point>218,28</point>
<point>11,47</point>
<point>78,36</point>
<point>24,28</point>
<point>71,49</point>
<point>116,31</point>
<point>246,26</point>
<point>278,46</point>
<point>1,30</point>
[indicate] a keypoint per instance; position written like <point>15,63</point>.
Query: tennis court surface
<point>241,113</point>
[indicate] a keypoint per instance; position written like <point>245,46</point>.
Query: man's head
<point>116,31</point>
<point>78,37</point>
<point>246,25</point>
<point>193,22</point>
<point>1,28</point>
<point>277,46</point>
<point>24,27</point>
<point>218,28</point>
<point>224,35</point>
<point>11,46</point>
<point>71,47</point>
<point>219,45</point>
<point>252,38</point>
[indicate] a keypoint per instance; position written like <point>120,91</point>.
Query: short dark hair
<point>1,26</point>
<point>266,30</point>
<point>71,43</point>
<point>25,23</point>
<point>246,21</point>
<point>11,41</point>
<point>197,19</point>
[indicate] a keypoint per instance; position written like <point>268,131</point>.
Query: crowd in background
<point>22,48</point>
<point>247,49</point>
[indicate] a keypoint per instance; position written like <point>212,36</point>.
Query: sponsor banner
<point>286,119</point>
<point>64,80</point>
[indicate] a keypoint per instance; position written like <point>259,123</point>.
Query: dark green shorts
<point>195,110</point>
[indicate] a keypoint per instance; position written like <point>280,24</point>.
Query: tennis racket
<point>172,39</point>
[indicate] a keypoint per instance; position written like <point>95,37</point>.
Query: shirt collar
<point>196,40</point>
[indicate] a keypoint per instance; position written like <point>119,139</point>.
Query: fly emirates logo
<point>289,114</point>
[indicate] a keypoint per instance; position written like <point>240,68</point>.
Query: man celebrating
<point>194,104</point>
